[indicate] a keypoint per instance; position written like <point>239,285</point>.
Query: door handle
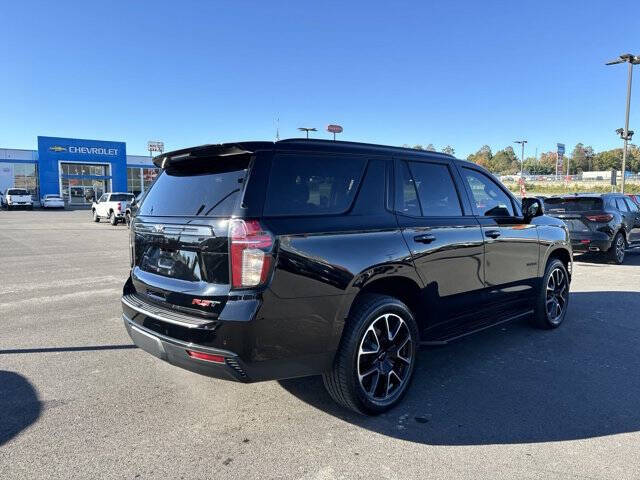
<point>492,233</point>
<point>424,238</point>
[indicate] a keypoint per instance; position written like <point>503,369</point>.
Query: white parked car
<point>17,197</point>
<point>52,201</point>
<point>112,206</point>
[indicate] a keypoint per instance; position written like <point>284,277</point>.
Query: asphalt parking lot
<point>78,401</point>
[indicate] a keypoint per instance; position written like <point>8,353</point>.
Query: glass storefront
<point>140,179</point>
<point>82,182</point>
<point>19,175</point>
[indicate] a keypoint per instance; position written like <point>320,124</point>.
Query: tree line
<point>582,159</point>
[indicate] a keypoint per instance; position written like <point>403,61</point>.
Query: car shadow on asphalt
<point>19,405</point>
<point>632,258</point>
<point>515,384</point>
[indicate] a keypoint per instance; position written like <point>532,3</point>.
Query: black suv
<point>260,260</point>
<point>605,223</point>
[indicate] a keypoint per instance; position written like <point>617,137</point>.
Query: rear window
<point>17,191</point>
<point>204,187</point>
<point>121,197</point>
<point>573,204</point>
<point>312,184</point>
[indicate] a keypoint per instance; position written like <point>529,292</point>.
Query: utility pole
<point>521,142</point>
<point>631,60</point>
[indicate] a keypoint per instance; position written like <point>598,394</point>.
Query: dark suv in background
<point>261,260</point>
<point>604,223</point>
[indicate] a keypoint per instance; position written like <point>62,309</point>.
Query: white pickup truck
<point>17,197</point>
<point>111,206</point>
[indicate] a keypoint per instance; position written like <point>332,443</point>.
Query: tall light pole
<point>307,130</point>
<point>521,142</point>
<point>631,60</point>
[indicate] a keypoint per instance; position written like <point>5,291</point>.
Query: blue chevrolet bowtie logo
<point>58,148</point>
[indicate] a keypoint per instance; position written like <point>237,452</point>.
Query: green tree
<point>449,149</point>
<point>505,162</point>
<point>536,167</point>
<point>430,148</point>
<point>418,147</point>
<point>482,157</point>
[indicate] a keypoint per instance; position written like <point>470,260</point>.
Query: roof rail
<point>321,141</point>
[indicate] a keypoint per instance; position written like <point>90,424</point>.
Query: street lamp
<point>521,142</point>
<point>307,130</point>
<point>631,60</point>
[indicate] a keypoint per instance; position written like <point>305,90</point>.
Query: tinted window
<point>621,205</point>
<point>17,191</point>
<point>573,204</point>
<point>371,198</point>
<point>103,198</point>
<point>489,198</point>
<point>312,184</point>
<point>203,187</point>
<point>406,195</point>
<point>632,206</point>
<point>121,197</point>
<point>436,190</point>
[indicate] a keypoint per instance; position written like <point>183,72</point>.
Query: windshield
<point>17,191</point>
<point>206,187</point>
<point>573,204</point>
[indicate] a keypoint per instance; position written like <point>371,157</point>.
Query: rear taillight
<point>251,257</point>
<point>604,218</point>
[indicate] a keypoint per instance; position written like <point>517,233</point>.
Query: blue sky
<point>463,73</point>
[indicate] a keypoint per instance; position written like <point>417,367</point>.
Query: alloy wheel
<point>557,295</point>
<point>620,249</point>
<point>385,356</point>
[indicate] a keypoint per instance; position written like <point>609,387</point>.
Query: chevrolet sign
<point>94,150</point>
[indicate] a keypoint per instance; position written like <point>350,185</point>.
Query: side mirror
<point>531,207</point>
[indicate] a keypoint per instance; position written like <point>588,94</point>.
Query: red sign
<point>334,128</point>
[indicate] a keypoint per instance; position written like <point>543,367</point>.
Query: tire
<point>113,219</point>
<point>553,296</point>
<point>616,252</point>
<point>359,362</point>
<point>96,217</point>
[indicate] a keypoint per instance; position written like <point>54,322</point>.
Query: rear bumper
<point>175,352</point>
<point>590,241</point>
<point>256,337</point>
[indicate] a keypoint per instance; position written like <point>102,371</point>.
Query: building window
<point>148,176</point>
<point>25,175</point>
<point>134,182</point>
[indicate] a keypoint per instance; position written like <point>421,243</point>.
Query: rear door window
<point>206,187</point>
<point>621,205</point>
<point>436,191</point>
<point>312,184</point>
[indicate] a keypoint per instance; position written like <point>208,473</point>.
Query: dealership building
<point>75,168</point>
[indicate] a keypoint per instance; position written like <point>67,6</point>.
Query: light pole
<point>307,130</point>
<point>631,60</point>
<point>521,142</point>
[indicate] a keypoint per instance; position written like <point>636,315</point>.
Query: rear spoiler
<point>212,150</point>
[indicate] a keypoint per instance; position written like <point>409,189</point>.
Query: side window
<point>436,190</point>
<point>621,205</point>
<point>489,198</point>
<point>312,184</point>
<point>103,198</point>
<point>632,206</point>
<point>406,195</point>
